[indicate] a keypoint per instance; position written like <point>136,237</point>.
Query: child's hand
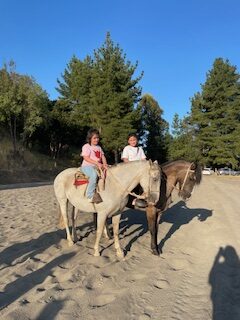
<point>100,165</point>
<point>105,166</point>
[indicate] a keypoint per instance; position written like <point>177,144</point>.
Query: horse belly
<point>77,198</point>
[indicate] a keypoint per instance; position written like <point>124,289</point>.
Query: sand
<point>196,277</point>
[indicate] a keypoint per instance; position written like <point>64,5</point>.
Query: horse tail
<point>198,172</point>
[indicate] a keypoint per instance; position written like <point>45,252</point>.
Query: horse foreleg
<point>63,208</point>
<point>101,219</point>
<point>153,227</point>
<point>115,222</point>
<point>74,215</point>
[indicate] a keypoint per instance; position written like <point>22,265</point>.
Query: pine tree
<point>73,106</point>
<point>215,115</point>
<point>153,128</point>
<point>114,93</point>
<point>182,144</point>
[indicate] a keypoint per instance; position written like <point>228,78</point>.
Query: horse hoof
<point>70,243</point>
<point>155,252</point>
<point>96,254</point>
<point>120,254</point>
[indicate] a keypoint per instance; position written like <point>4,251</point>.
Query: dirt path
<point>196,277</point>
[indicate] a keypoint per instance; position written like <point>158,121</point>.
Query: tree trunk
<point>13,134</point>
<point>115,156</point>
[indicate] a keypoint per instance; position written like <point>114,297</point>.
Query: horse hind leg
<point>152,219</point>
<point>74,216</point>
<point>63,208</point>
<point>60,222</point>
<point>101,219</point>
<point>115,222</point>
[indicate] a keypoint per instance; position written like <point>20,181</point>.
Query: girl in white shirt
<point>132,152</point>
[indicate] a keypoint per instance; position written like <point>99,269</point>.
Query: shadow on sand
<point>224,278</point>
<point>20,252</point>
<point>177,215</point>
<point>51,310</point>
<point>22,285</point>
<point>30,248</point>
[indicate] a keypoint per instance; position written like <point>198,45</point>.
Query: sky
<point>174,41</point>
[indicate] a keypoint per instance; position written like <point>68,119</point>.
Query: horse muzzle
<point>185,195</point>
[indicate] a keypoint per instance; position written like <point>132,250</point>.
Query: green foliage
<point>100,92</point>
<point>23,104</point>
<point>182,144</point>
<point>73,106</point>
<point>153,128</point>
<point>215,116</point>
<point>113,94</point>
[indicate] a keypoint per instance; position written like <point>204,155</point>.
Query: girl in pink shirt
<point>93,156</point>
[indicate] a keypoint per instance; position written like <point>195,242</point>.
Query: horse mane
<point>168,163</point>
<point>123,163</point>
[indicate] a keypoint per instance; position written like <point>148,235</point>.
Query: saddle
<point>80,179</point>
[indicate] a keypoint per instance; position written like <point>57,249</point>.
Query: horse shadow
<point>22,285</point>
<point>51,310</point>
<point>20,252</point>
<point>132,218</point>
<point>224,279</point>
<point>30,248</point>
<point>178,215</point>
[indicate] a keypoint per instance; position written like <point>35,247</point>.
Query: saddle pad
<point>80,178</point>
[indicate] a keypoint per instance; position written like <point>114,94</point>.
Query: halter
<point>185,178</point>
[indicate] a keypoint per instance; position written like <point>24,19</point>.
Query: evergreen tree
<point>73,105</point>
<point>100,92</point>
<point>182,144</point>
<point>114,93</point>
<point>215,116</point>
<point>153,129</point>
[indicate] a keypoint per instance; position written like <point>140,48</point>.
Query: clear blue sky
<point>174,41</point>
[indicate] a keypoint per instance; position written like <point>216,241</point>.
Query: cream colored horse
<point>120,180</point>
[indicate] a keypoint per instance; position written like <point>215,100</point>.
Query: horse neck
<point>127,175</point>
<point>175,174</point>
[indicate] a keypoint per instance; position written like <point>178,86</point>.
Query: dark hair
<point>90,134</point>
<point>132,135</point>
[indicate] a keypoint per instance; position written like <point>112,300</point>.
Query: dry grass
<point>27,166</point>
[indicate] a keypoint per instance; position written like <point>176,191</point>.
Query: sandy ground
<point>196,277</point>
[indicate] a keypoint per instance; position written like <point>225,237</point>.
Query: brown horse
<point>180,175</point>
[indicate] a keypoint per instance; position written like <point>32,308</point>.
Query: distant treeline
<point>102,91</point>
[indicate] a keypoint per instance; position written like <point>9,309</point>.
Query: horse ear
<point>156,162</point>
<point>150,162</point>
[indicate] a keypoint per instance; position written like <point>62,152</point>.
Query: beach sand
<point>197,276</point>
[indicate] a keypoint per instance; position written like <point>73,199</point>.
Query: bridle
<point>185,178</point>
<point>151,190</point>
